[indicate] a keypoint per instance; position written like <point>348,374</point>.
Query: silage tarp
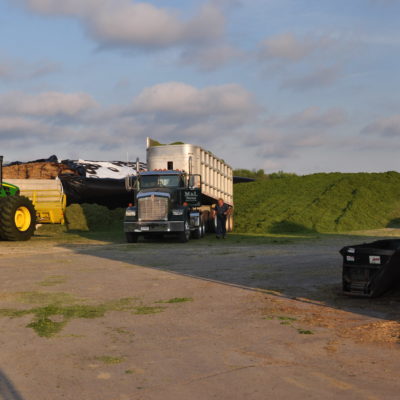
<point>104,169</point>
<point>107,192</point>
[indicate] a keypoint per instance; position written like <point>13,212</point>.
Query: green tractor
<point>17,213</point>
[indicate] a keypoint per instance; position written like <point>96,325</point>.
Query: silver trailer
<point>216,174</point>
<point>176,194</point>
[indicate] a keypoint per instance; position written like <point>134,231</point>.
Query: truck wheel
<point>203,230</point>
<point>131,237</point>
<point>17,218</point>
<point>198,232</point>
<point>184,236</point>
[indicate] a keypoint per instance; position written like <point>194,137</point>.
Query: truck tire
<point>203,229</point>
<point>131,237</point>
<point>17,218</point>
<point>184,236</point>
<point>198,232</point>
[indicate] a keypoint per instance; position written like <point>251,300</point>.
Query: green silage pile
<point>333,202</point>
<point>92,217</point>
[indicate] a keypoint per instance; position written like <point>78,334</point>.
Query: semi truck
<point>177,192</point>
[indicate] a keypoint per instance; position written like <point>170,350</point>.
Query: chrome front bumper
<point>156,227</point>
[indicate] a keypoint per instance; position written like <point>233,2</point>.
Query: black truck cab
<point>164,202</point>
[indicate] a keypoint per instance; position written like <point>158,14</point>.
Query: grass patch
<point>12,313</point>
<point>109,360</point>
<point>305,332</point>
<point>176,300</point>
<point>45,298</point>
<point>45,327</point>
<point>51,318</point>
<point>121,331</point>
<point>145,310</point>
<point>53,280</point>
<point>284,320</point>
<point>129,371</point>
<point>288,319</point>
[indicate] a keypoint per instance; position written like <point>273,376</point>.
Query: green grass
<point>305,332</point>
<point>176,300</point>
<point>110,360</point>
<point>44,298</point>
<point>334,202</point>
<point>53,280</point>
<point>55,310</point>
<point>145,310</point>
<point>52,311</point>
<point>287,319</point>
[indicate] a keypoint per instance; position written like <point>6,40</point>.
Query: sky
<point>295,85</point>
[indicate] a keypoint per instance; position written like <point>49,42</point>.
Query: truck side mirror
<point>195,182</point>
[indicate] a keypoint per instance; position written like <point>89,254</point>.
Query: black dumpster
<point>370,269</point>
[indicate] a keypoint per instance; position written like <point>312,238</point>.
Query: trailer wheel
<point>131,237</point>
<point>184,236</point>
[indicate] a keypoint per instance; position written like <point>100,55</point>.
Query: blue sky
<point>294,85</point>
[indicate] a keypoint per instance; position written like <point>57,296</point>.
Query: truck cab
<point>165,202</point>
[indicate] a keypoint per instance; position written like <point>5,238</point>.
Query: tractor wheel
<point>17,218</point>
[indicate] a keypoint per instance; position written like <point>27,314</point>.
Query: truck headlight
<point>130,213</point>
<point>178,211</point>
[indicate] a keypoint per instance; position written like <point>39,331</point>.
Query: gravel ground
<point>234,319</point>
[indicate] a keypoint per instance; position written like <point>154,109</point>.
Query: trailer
<point>177,192</point>
<point>48,197</point>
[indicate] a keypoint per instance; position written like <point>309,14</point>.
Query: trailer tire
<point>131,237</point>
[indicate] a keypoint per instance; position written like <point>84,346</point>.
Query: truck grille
<point>153,208</point>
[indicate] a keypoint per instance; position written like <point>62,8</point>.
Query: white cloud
<point>45,104</point>
<point>312,118</point>
<point>321,77</point>
<point>169,111</point>
<point>181,100</point>
<point>14,69</point>
<point>289,135</point>
<point>289,48</point>
<point>136,24</point>
<point>209,58</point>
<point>12,128</point>
<point>386,127</point>
<point>304,62</point>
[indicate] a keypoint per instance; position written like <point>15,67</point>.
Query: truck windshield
<point>153,181</point>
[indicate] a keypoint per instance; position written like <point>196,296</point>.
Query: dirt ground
<point>244,318</point>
